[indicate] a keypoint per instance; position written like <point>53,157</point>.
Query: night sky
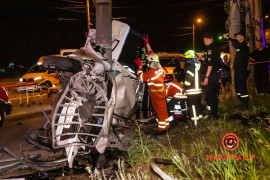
<point>34,28</point>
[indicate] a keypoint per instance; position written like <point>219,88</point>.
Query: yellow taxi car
<point>37,74</point>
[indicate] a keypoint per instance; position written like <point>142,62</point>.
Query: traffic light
<point>220,37</point>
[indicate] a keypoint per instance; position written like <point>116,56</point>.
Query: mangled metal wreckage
<point>98,94</point>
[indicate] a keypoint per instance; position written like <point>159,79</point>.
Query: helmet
<point>190,54</point>
<point>153,58</point>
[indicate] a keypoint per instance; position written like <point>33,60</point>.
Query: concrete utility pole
<point>88,15</point>
<point>104,26</point>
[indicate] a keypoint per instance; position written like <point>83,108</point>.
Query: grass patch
<point>188,147</point>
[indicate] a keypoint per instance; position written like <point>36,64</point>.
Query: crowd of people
<point>202,73</point>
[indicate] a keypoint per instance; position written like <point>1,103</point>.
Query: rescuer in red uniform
<point>158,91</point>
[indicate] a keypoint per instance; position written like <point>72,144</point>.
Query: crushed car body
<point>96,94</point>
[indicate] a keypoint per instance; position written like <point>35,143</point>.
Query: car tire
<point>46,84</point>
<point>1,117</point>
<point>61,64</point>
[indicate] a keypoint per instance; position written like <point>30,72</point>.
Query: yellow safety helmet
<point>153,58</point>
<point>189,54</point>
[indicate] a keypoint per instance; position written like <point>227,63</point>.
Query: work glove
<point>138,62</point>
<point>146,41</point>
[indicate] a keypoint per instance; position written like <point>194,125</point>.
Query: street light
<point>199,21</point>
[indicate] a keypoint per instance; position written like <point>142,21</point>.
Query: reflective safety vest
<point>154,79</point>
<point>193,79</point>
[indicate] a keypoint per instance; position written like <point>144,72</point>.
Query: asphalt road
<point>21,120</point>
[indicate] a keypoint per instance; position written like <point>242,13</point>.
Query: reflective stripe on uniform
<point>159,126</point>
<point>168,88</point>
<point>151,83</point>
<point>161,122</point>
<point>194,111</point>
<point>195,118</point>
<point>193,90</point>
<point>190,93</point>
<point>187,83</point>
<point>159,90</point>
<point>191,73</point>
<point>169,118</point>
<point>243,96</point>
<point>153,78</point>
<point>180,96</point>
<point>196,80</point>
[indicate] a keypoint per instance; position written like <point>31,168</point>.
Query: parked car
<point>5,105</point>
<point>37,74</point>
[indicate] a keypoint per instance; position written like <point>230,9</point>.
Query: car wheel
<point>61,64</point>
<point>47,84</point>
<point>1,117</point>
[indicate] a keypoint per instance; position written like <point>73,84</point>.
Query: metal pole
<point>88,14</point>
<point>104,26</point>
<point>193,27</point>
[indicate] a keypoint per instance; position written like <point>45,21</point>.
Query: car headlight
<point>21,79</point>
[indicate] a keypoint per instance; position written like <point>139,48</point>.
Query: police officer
<point>261,57</point>
<point>240,67</point>
<point>210,78</point>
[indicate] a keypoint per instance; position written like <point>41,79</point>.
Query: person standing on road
<point>240,66</point>
<point>261,57</point>
<point>211,77</point>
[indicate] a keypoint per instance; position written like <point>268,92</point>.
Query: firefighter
<point>211,77</point>
<point>155,79</point>
<point>192,86</point>
<point>240,66</point>
<point>176,92</point>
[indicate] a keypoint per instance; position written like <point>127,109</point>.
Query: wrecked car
<point>96,96</point>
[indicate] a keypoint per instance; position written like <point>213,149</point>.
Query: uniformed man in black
<point>210,78</point>
<point>240,67</point>
<point>261,57</point>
